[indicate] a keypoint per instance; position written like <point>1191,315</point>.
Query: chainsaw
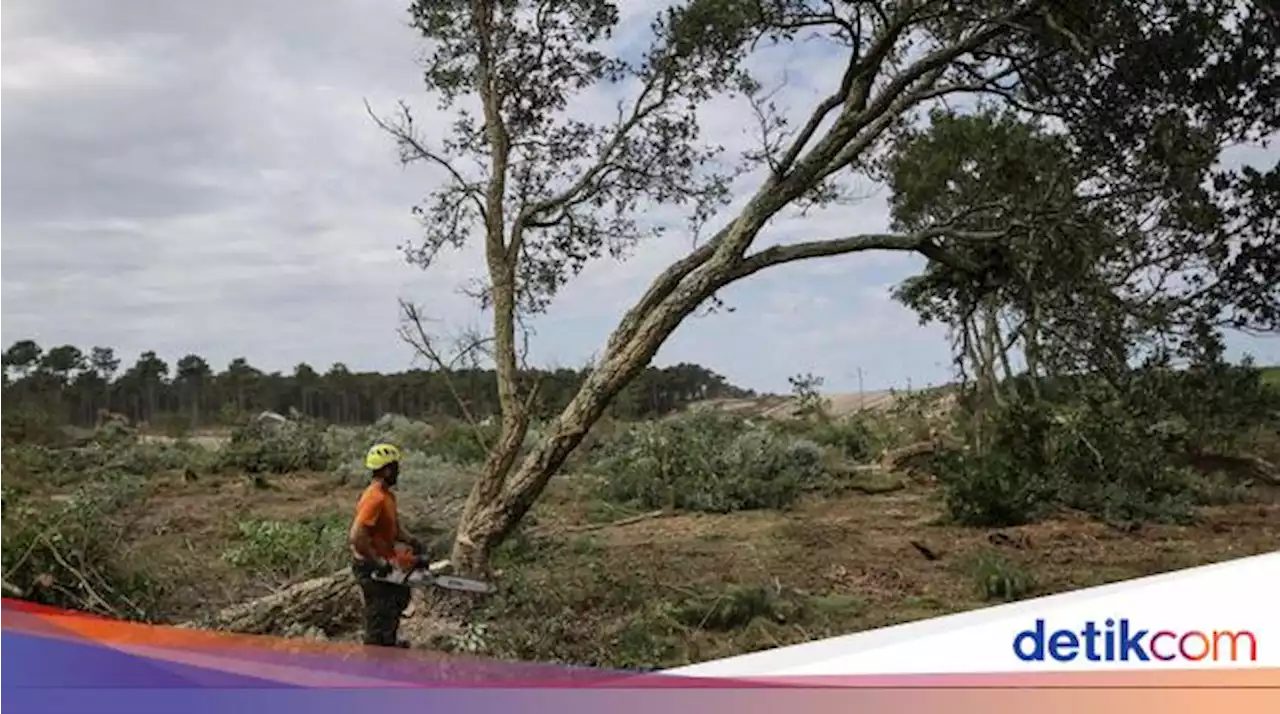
<point>415,571</point>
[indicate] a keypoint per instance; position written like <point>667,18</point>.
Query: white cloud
<point>204,178</point>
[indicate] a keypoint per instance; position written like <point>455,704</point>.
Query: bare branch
<point>770,125</point>
<point>415,334</point>
<point>413,149</point>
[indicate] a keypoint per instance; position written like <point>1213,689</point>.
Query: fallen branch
<point>619,523</point>
<point>1248,464</point>
<point>11,589</point>
<point>84,582</point>
<point>35,542</point>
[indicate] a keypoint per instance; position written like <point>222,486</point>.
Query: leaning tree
<point>1152,87</point>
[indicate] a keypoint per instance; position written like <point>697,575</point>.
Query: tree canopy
<point>1131,106</point>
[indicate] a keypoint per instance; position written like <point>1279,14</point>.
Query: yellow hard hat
<point>381,455</point>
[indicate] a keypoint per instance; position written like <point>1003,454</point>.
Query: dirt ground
<point>859,559</point>
<point>862,544</point>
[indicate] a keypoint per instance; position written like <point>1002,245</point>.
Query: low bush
<point>409,434</point>
<point>851,438</point>
<point>259,446</point>
<point>734,608</point>
<point>998,578</point>
<point>289,550</point>
<point>25,424</point>
<point>67,556</point>
<point>459,443</point>
<point>32,467</point>
<point>1120,450</point>
<point>911,417</point>
<point>991,491</point>
<point>709,462</point>
<point>450,441</point>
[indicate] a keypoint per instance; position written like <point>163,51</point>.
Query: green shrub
<point>735,608</point>
<point>456,442</point>
<point>67,555</point>
<point>1008,483</point>
<point>1269,378</point>
<point>450,441</point>
<point>34,467</point>
<point>998,578</point>
<point>152,457</point>
<point>1109,461</point>
<point>1118,449</point>
<point>289,549</point>
<point>263,447</point>
<point>911,417</point>
<point>991,491</point>
<point>851,438</point>
<point>1208,407</point>
<point>709,462</point>
<point>408,434</point>
<point>26,424</point>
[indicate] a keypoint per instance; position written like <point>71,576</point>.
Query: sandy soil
<point>838,404</point>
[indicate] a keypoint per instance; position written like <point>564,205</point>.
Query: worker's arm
<point>406,537</point>
<point>360,538</point>
<point>361,542</point>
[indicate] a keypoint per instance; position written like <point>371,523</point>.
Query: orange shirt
<point>377,512</point>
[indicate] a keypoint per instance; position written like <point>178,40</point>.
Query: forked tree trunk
<point>501,496</point>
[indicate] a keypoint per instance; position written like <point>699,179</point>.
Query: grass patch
<point>289,550</point>
<point>996,577</point>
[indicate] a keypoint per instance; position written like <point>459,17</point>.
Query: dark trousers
<point>384,604</point>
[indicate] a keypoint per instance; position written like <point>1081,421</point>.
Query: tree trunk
<point>1031,349</point>
<point>497,504</point>
<point>500,499</point>
<point>990,343</point>
<point>978,400</point>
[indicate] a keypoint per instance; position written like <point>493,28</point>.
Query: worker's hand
<point>377,566</point>
<point>415,545</point>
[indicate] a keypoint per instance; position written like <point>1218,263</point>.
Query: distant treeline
<point>76,385</point>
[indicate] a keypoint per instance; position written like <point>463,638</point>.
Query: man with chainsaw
<point>374,534</point>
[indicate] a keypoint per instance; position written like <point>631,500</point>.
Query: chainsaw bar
<point>422,578</point>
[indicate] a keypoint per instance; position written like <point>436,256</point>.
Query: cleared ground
<point>578,589</point>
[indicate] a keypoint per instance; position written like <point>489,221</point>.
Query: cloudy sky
<point>202,177</point>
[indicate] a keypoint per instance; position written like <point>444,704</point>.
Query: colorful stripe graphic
<point>62,661</point>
